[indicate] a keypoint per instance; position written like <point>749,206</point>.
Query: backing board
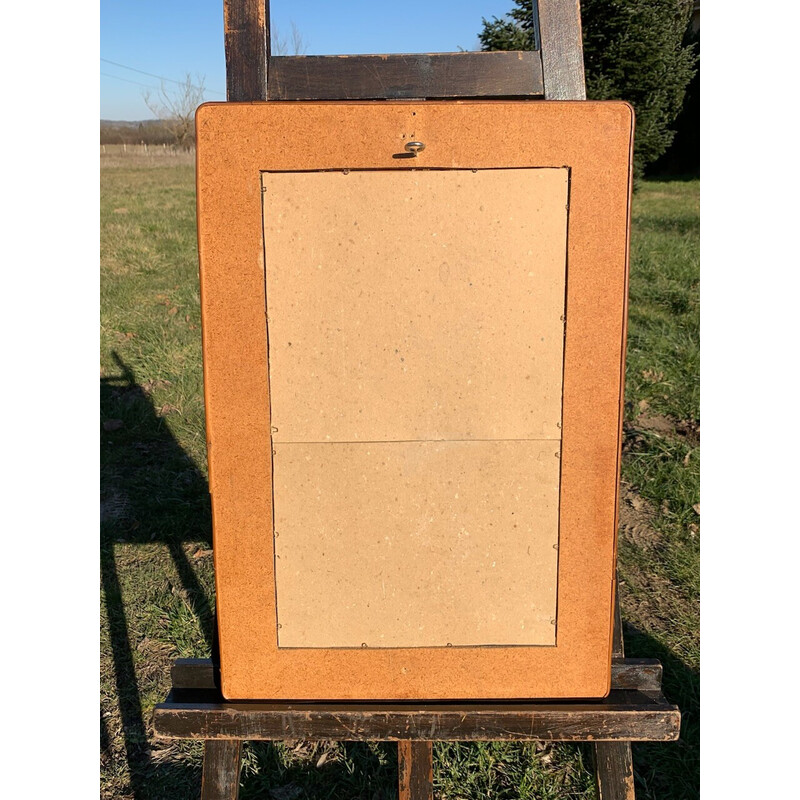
<point>414,463</point>
<point>432,521</point>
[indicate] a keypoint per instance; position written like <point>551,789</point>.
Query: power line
<point>152,75</point>
<point>142,72</point>
<point>136,83</point>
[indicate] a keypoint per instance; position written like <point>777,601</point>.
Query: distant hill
<point>125,123</point>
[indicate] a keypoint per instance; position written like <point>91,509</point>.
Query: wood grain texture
<point>643,674</point>
<point>194,673</point>
<point>415,770</point>
<point>561,49</point>
<point>613,763</point>
<point>221,764</point>
<point>622,716</point>
<point>246,49</point>
<point>395,77</point>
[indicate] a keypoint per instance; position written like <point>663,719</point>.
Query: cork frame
<point>236,142</point>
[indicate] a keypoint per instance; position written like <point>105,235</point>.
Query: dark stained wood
<point>391,77</point>
<point>415,770</point>
<point>618,641</point>
<point>613,761</point>
<point>194,673</point>
<point>637,716</point>
<point>246,49</point>
<point>643,674</point>
<point>562,49</point>
<point>614,770</point>
<point>221,763</point>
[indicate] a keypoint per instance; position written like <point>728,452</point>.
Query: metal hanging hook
<point>415,148</point>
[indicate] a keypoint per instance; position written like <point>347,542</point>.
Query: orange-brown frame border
<point>235,142</point>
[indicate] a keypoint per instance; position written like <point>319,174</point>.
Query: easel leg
<point>415,770</point>
<point>614,769</point>
<point>221,763</point>
<point>613,761</point>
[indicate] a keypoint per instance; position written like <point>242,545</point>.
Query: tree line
<point>150,132</point>
<point>636,50</point>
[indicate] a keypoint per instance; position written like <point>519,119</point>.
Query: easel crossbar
<point>635,710</point>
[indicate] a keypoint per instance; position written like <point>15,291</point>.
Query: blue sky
<point>171,38</point>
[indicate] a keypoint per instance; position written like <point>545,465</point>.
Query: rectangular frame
<point>238,141</point>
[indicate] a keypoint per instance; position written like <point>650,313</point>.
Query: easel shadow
<point>152,491</point>
<point>657,765</point>
<point>353,770</point>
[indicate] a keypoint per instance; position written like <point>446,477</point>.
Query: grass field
<point>157,594</point>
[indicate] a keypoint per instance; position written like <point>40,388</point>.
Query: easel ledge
<point>635,710</point>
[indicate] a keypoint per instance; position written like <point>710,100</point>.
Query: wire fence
<point>112,155</point>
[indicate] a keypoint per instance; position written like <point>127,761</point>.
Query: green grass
<point>157,592</point>
<point>660,590</point>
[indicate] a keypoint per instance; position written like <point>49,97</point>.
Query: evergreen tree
<point>514,32</point>
<point>633,50</point>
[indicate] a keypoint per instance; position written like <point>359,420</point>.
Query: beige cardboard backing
<point>415,544</point>
<point>415,305</point>
<point>238,141</point>
<point>445,289</point>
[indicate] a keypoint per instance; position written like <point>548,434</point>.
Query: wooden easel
<point>635,710</point>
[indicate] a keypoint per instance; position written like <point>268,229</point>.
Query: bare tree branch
<point>280,45</point>
<point>176,107</point>
<point>299,44</point>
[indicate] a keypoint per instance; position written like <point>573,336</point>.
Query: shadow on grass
<point>353,770</point>
<point>151,491</point>
<point>664,177</point>
<point>669,771</point>
<point>680,225</point>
